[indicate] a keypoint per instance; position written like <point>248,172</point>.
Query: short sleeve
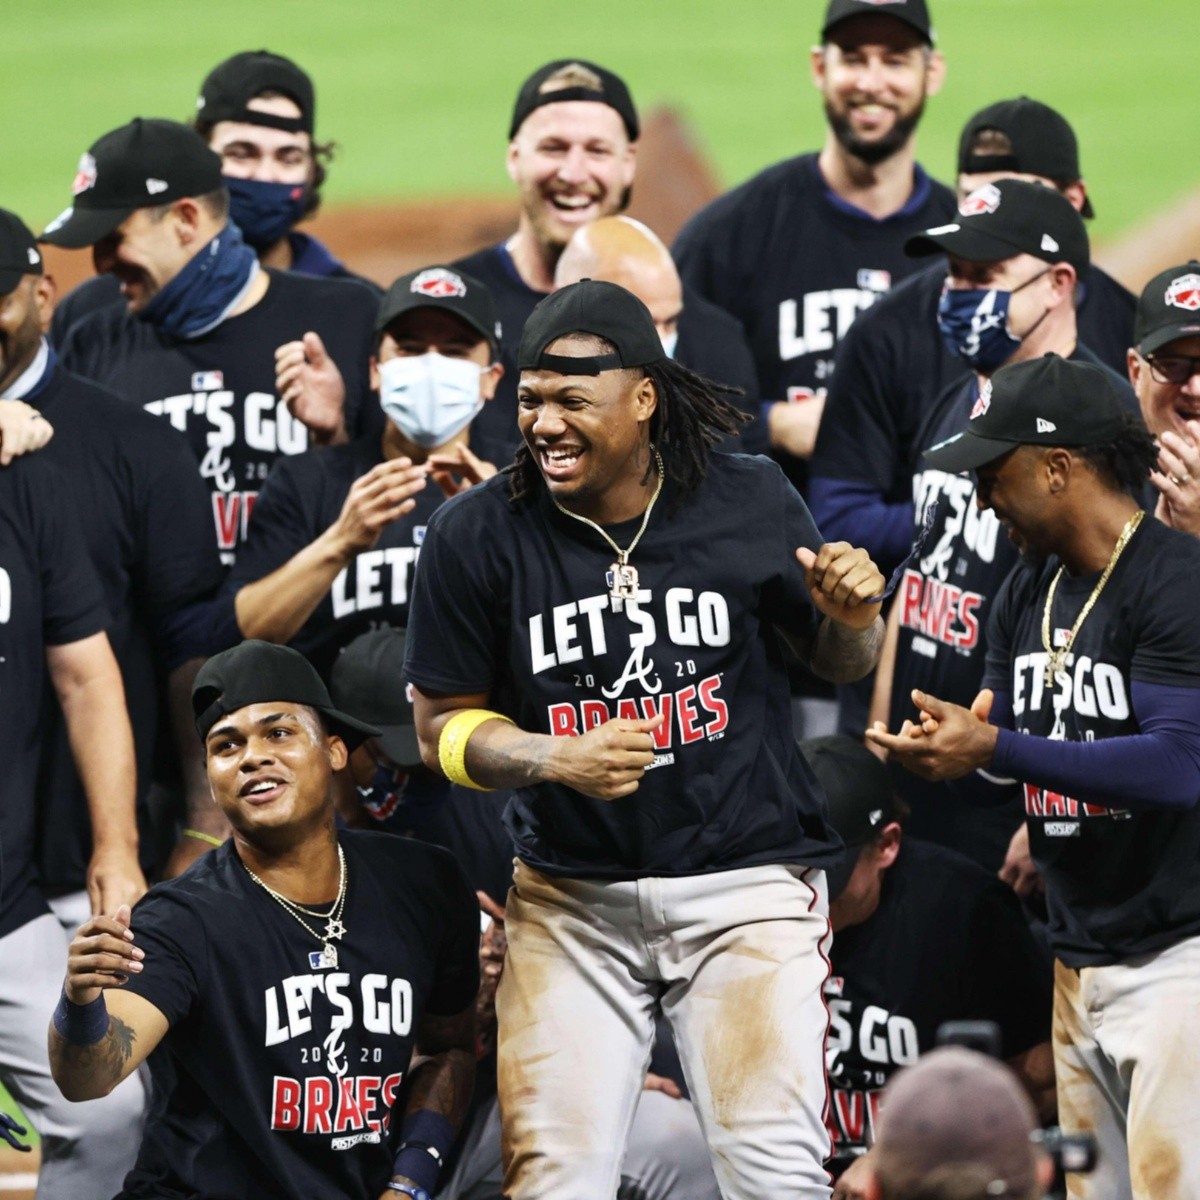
<point>450,639</point>
<point>281,525</point>
<point>1001,627</point>
<point>785,599</point>
<point>456,981</point>
<point>1166,646</point>
<point>176,947</point>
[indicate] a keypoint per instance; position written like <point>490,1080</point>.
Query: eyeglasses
<point>1174,368</point>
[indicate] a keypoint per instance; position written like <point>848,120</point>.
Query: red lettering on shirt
<point>715,705</point>
<point>594,712</point>
<point>318,1102</point>
<point>661,735</point>
<point>685,708</point>
<point>562,721</point>
<point>349,1115</point>
<point>285,1103</point>
<point>940,610</point>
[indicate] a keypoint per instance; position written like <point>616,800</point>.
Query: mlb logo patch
<point>874,281</point>
<point>419,535</point>
<point>981,201</point>
<point>984,402</point>
<point>208,381</point>
<point>438,283</point>
<point>85,175</point>
<point>1184,292</point>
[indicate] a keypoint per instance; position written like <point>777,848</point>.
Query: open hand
<point>458,468</point>
<point>947,742</point>
<point>102,955</point>
<point>309,382</point>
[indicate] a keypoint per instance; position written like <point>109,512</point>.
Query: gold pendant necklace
<point>622,576</point>
<point>327,957</point>
<point>1056,658</point>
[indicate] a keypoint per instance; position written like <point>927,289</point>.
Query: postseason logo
<point>1184,292</point>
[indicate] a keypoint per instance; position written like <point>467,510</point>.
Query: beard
<point>876,150</point>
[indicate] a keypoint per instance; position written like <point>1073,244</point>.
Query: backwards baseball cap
<point>1168,308</point>
<point>913,13</point>
<point>592,306</point>
<point>368,676</point>
<point>956,1107</point>
<point>19,255</point>
<point>256,672</point>
<point>1010,217</point>
<point>1040,141</point>
<point>443,287</point>
<point>141,165</point>
<point>859,793</point>
<point>1045,401</point>
<point>581,80</point>
<point>230,86</point>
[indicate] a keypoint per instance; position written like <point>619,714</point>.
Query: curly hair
<point>1126,460</point>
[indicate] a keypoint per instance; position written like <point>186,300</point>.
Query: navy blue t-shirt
<point>219,389</point>
<point>1118,883</point>
<point>511,599</point>
<point>283,1074</point>
<point>49,596</point>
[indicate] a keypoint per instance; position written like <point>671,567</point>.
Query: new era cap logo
<point>982,200</point>
<point>154,186</point>
<point>85,175</point>
<point>1184,292</point>
<point>438,282</point>
<point>1048,243</point>
<point>34,257</point>
<point>984,402</point>
<point>1044,426</point>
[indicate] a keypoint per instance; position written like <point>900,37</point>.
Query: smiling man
<point>285,980</point>
<point>597,630</point>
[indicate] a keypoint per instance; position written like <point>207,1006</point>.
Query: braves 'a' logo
<point>984,402</point>
<point>439,283</point>
<point>1184,292</point>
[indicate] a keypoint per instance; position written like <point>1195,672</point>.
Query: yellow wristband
<point>203,837</point>
<point>452,744</point>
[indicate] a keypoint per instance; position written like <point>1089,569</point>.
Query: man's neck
<point>279,256</point>
<point>621,501</point>
<point>256,291</point>
<point>1092,529</point>
<point>1051,337</point>
<point>535,263</point>
<point>877,188</point>
<point>303,867</point>
<point>27,361</point>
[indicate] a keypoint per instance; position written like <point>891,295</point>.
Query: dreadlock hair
<point>1126,460</point>
<point>693,414</point>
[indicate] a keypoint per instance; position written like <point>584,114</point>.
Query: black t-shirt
<point>796,264</point>
<point>948,942</point>
<point>512,600</point>
<point>302,497</point>
<point>1118,883</point>
<point>284,1074</point>
<point>219,389</point>
<point>147,525</point>
<point>49,596</point>
<point>893,364</point>
<point>944,600</point>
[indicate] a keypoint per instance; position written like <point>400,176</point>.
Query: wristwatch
<point>409,1189</point>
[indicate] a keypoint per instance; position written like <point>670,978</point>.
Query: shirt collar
<point>29,379</point>
<point>911,207</point>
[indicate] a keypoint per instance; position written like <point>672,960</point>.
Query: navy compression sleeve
<point>857,513</point>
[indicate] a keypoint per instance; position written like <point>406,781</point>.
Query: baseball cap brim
<point>399,743</point>
<point>967,451</point>
<point>971,245</point>
<point>75,228</point>
<point>1157,338</point>
<point>418,300</point>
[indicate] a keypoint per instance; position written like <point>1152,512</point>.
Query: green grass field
<point>419,94</point>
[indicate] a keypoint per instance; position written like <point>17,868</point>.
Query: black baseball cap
<point>913,13</point>
<point>229,86</point>
<point>257,672</point>
<point>141,165</point>
<point>1010,217</point>
<point>592,306</point>
<point>19,253</point>
<point>1041,142</point>
<point>1045,401</point>
<point>442,287</point>
<point>859,793</point>
<point>611,90</point>
<point>368,677</point>
<point>1168,308</point>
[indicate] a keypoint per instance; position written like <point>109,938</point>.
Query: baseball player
<point>287,978</point>
<point>798,251</point>
<point>195,343</point>
<point>894,363</point>
<point>1091,702</point>
<point>257,110</point>
<point>1016,252</point>
<point>596,630</point>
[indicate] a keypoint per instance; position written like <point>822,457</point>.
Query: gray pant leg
<point>87,1148</point>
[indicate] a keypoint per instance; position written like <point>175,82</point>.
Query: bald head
<point>624,251</point>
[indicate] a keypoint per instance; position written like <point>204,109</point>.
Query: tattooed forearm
<point>843,655</point>
<point>87,1072</point>
<point>500,755</point>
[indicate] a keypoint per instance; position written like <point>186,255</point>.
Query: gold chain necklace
<point>1056,659</point>
<point>622,577</point>
<point>334,928</point>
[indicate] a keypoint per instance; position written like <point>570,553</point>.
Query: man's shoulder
<point>479,509</point>
<point>484,263</point>
<point>702,318</point>
<point>940,871</point>
<point>784,181</point>
<point>345,462</point>
<point>207,887</point>
<point>402,864</point>
<point>328,288</point>
<point>914,293</point>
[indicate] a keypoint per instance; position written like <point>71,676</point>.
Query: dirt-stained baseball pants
<point>1127,1061</point>
<point>737,959</point>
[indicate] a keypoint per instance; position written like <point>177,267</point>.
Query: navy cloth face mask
<point>265,212</point>
<point>974,324</point>
<point>200,296</point>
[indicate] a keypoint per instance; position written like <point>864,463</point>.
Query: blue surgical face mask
<point>265,212</point>
<point>974,324</point>
<point>429,397</point>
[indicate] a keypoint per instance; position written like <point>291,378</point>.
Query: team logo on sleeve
<point>984,402</point>
<point>981,201</point>
<point>1184,292</point>
<point>438,283</point>
<point>85,175</point>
